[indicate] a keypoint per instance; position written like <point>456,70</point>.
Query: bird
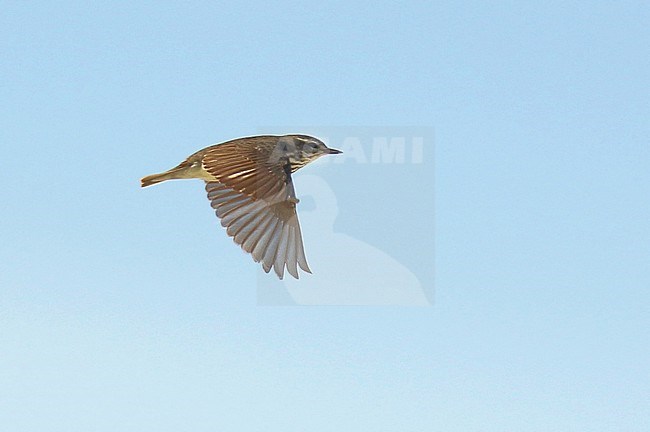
<point>249,185</point>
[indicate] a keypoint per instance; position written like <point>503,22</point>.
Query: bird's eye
<point>310,147</point>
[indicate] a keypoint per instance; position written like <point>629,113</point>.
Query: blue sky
<point>525,224</point>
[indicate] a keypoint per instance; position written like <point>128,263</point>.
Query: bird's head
<point>302,149</point>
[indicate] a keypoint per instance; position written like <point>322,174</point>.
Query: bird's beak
<point>333,151</point>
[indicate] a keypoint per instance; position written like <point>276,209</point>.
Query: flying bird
<point>249,185</point>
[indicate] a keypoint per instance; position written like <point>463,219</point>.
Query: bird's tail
<point>174,173</point>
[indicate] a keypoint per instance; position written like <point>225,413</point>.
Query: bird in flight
<point>249,185</point>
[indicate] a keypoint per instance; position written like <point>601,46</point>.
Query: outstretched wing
<point>267,228</point>
<point>255,200</point>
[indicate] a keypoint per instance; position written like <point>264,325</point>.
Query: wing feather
<point>281,255</point>
<point>261,243</point>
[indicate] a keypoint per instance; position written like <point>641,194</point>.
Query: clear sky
<point>524,224</point>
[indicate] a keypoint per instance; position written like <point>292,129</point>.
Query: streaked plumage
<point>248,181</point>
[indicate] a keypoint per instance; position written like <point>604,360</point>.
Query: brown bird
<point>249,184</point>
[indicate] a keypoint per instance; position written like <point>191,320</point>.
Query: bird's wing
<point>252,168</point>
<point>267,228</point>
<point>256,202</point>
